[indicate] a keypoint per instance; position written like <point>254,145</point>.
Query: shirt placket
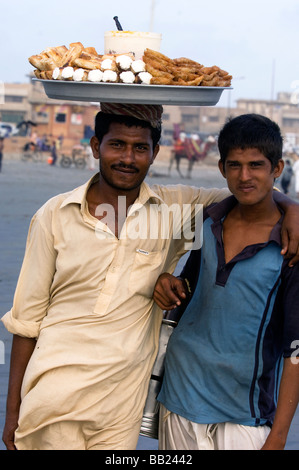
<point>116,270</point>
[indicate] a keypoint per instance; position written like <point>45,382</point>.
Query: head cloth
<point>144,112</point>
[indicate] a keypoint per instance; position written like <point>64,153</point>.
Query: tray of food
<point>81,74</point>
<point>139,94</point>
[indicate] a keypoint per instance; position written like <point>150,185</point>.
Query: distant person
<point>286,177</point>
<point>1,151</point>
<point>33,138</point>
<point>240,329</point>
<point>296,174</point>
<point>60,141</point>
<point>54,153</point>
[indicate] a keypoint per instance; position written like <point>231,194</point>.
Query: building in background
<point>70,122</point>
<point>15,106</point>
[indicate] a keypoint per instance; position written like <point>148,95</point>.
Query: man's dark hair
<point>251,131</point>
<point>103,121</point>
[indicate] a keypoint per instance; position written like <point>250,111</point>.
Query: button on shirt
<point>87,298</point>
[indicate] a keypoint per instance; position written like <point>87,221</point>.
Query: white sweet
<point>78,75</point>
<point>109,76</point>
<point>124,62</point>
<point>138,66</point>
<point>127,77</point>
<point>145,77</point>
<point>107,64</point>
<point>67,72</point>
<point>95,76</point>
<point>56,73</point>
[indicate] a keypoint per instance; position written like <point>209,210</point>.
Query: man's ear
<point>155,153</point>
<point>95,147</point>
<point>221,168</point>
<point>278,169</point>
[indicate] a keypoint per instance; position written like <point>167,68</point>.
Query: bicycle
<point>31,152</point>
<point>66,162</point>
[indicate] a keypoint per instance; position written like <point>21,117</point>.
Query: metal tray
<point>133,93</point>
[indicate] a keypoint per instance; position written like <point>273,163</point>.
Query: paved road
<point>24,187</point>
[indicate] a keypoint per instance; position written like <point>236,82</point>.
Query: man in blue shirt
<point>231,372</point>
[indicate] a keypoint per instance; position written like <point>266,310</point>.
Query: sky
<point>255,41</point>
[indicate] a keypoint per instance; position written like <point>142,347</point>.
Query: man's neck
<point>257,213</point>
<point>104,193</point>
<point>248,225</point>
<point>110,204</point>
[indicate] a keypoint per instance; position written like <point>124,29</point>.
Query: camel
<point>193,150</point>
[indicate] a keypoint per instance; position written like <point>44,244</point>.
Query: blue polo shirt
<point>224,358</point>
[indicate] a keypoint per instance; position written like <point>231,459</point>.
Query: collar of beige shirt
<point>78,195</point>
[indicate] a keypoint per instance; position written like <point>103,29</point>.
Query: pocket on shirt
<point>147,267</point>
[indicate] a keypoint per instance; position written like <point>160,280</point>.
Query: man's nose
<point>245,173</point>
<point>128,154</point>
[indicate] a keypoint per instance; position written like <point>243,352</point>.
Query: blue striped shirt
<point>224,359</point>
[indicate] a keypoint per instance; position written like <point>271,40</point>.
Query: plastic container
<point>135,42</point>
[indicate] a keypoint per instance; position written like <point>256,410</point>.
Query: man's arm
<point>290,227</point>
<point>21,351</point>
<point>286,406</point>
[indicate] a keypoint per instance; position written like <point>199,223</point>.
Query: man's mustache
<point>120,166</point>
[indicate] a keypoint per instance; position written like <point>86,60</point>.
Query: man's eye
<point>256,164</point>
<point>116,144</point>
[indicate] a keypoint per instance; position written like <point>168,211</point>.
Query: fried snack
<point>61,57</point>
<point>197,81</point>
<point>49,58</point>
<point>77,44</point>
<point>110,76</point>
<point>95,76</point>
<point>124,62</point>
<point>149,53</point>
<point>185,75</point>
<point>162,66</point>
<point>85,64</point>
<point>65,73</point>
<point>61,49</point>
<point>143,77</point>
<point>127,77</point>
<point>54,54</point>
<point>183,61</point>
<point>183,71</point>
<point>44,74</point>
<point>158,73</point>
<point>73,53</point>
<point>162,81</point>
<point>87,61</point>
<point>108,63</point>
<point>91,50</point>
<point>37,61</point>
<point>80,75</point>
